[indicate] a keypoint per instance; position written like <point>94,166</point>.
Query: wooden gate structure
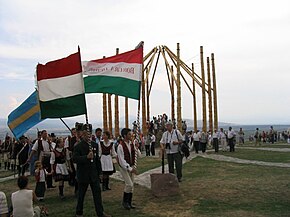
<point>175,69</point>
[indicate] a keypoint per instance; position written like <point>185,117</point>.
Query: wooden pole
<point>209,96</point>
<point>144,130</point>
<point>117,128</point>
<point>179,119</point>
<point>186,68</point>
<point>214,93</point>
<point>147,99</point>
<point>105,111</point>
<point>105,117</point>
<point>154,72</point>
<point>204,122</point>
<point>126,113</point>
<point>172,98</point>
<point>194,101</point>
<point>110,113</point>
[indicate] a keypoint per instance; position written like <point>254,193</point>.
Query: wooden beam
<point>105,112</point>
<point>194,101</point>
<point>172,97</point>
<point>209,97</point>
<point>110,113</point>
<point>215,107</point>
<point>179,117</point>
<point>168,66</point>
<point>147,100</point>
<point>154,72</point>
<point>149,54</point>
<point>117,127</point>
<point>204,121</point>
<point>126,112</point>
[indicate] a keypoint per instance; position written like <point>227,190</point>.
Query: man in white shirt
<point>170,141</point>
<point>215,140</point>
<point>43,149</point>
<point>231,137</point>
<point>127,153</point>
<point>196,141</point>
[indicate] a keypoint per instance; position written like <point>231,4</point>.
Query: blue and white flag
<point>25,116</point>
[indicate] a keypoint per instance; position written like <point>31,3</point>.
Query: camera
<point>167,145</point>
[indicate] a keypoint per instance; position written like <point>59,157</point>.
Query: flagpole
<point>138,114</point>
<point>65,124</point>
<point>86,114</point>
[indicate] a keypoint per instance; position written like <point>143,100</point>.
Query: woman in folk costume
<point>59,160</point>
<point>127,158</point>
<point>107,152</point>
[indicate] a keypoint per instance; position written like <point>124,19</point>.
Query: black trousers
<point>47,166</point>
<point>203,146</point>
<point>232,145</point>
<point>96,191</point>
<point>216,144</point>
<point>196,146</point>
<point>177,159</point>
<point>153,148</point>
<point>147,149</point>
<point>21,169</point>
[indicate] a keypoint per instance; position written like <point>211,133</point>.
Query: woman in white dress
<point>59,160</point>
<point>107,153</point>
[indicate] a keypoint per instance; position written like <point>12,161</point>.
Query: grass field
<point>260,155</point>
<point>210,188</point>
<point>6,173</point>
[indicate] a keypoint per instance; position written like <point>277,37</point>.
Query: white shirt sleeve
<point>100,149</point>
<point>35,146</point>
<point>52,158</point>
<point>163,139</point>
<point>66,143</point>
<point>121,159</point>
<point>67,154</point>
<point>180,136</point>
<point>113,152</point>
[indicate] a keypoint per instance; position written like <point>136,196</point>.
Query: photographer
<point>171,140</point>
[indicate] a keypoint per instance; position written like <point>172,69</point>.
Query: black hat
<point>87,127</point>
<point>79,126</point>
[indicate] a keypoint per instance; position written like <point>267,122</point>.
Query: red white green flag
<point>61,88</point>
<point>120,74</point>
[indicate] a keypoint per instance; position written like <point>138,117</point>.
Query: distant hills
<point>56,125</point>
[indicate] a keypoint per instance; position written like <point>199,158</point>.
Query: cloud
<point>251,45</point>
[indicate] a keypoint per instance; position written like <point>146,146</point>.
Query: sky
<point>250,40</point>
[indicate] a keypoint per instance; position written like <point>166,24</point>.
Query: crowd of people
<point>82,158</point>
<point>79,159</point>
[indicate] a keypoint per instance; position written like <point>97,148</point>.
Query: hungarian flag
<point>120,74</point>
<point>61,88</point>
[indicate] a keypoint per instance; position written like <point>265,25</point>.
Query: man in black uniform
<point>89,169</point>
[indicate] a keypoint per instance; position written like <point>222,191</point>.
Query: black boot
<point>107,184</point>
<point>61,195</point>
<point>130,201</point>
<point>8,167</point>
<point>104,184</point>
<point>126,201</point>
<point>5,165</point>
